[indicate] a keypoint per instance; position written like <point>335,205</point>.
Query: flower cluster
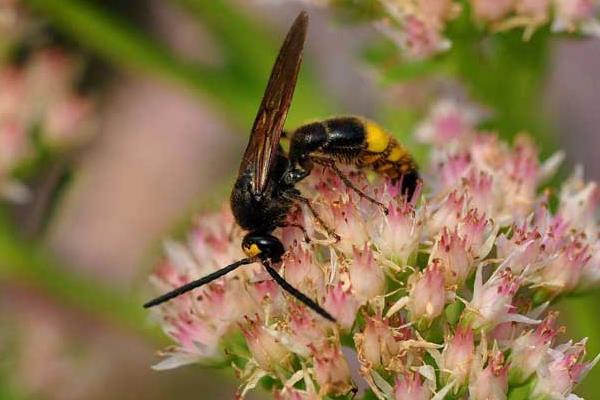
<point>446,295</point>
<point>39,106</point>
<point>419,26</point>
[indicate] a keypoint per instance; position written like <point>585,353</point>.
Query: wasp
<point>265,189</point>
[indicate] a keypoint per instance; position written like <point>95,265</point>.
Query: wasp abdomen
<point>384,153</point>
<point>354,140</point>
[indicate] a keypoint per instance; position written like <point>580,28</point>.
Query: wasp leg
<point>296,196</point>
<point>329,163</point>
<point>298,226</point>
<point>295,292</point>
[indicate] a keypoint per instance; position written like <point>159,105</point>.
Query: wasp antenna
<point>296,293</point>
<point>199,282</point>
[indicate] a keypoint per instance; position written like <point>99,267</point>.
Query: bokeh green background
<point>100,318</point>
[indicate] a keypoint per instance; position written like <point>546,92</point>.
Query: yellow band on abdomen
<point>377,139</point>
<point>396,153</point>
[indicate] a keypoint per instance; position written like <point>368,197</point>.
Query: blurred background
<point>164,93</point>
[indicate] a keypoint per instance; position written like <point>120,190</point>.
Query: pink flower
<point>410,386</point>
<point>489,382</point>
<point>366,276</point>
<point>295,394</point>
<point>448,122</point>
<point>422,38</point>
<point>563,271</point>
<point>331,370</point>
<point>67,121</point>
<point>561,369</point>
<point>397,235</point>
<point>342,304</point>
<point>491,10</point>
<point>457,357</point>
<point>528,350</point>
<point>523,249</point>
<point>303,272</point>
<point>477,232</point>
<point>349,224</point>
<point>266,349</point>
<point>537,10</point>
<point>305,329</point>
<point>492,301</point>
<point>579,204</point>
<point>448,213</point>
<point>571,15</point>
<point>427,293</point>
<point>452,253</point>
<point>378,344</point>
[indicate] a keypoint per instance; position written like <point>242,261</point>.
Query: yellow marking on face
<point>396,153</point>
<point>252,250</point>
<point>377,139</point>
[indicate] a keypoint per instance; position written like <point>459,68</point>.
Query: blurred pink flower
<point>419,27</point>
<point>39,94</point>
<point>491,10</point>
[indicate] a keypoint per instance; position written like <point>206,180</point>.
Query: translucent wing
<point>264,139</point>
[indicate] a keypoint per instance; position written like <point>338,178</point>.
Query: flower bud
<point>378,344</point>
<point>266,350</point>
<point>409,386</point>
<point>457,357</point>
<point>366,276</point>
<point>302,272</point>
<point>491,382</point>
<point>529,349</point>
<point>561,370</point>
<point>398,234</point>
<point>491,302</point>
<point>427,293</point>
<point>451,251</point>
<point>331,370</point>
<point>342,304</point>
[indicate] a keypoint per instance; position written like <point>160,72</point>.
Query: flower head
<point>455,280</point>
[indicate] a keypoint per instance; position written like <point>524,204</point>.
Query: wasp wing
<point>262,149</point>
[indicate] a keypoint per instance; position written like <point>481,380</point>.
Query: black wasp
<point>265,191</point>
